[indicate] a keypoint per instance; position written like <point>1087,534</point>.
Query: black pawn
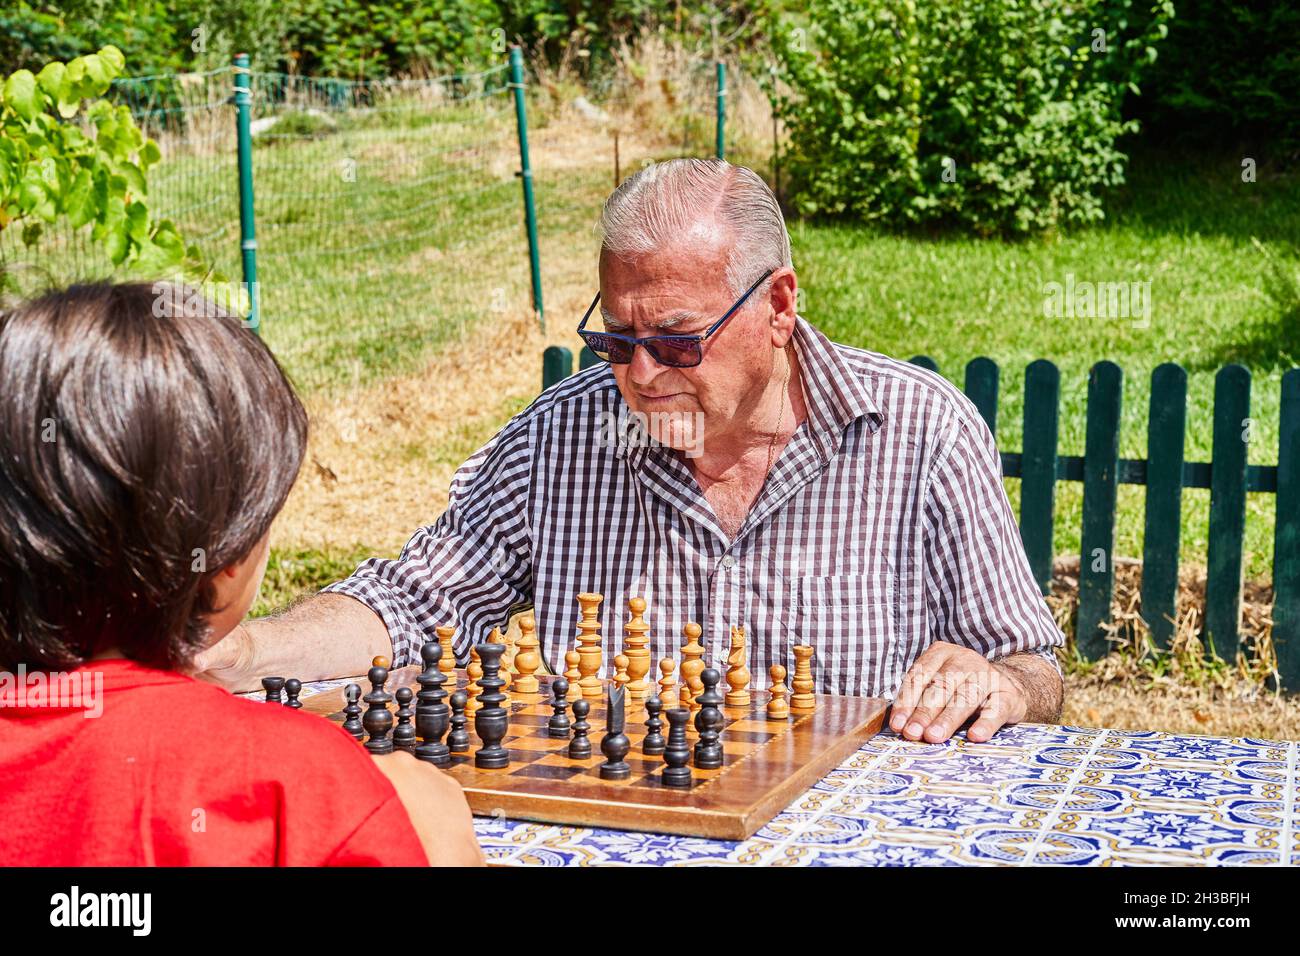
<point>491,720</point>
<point>377,720</point>
<point>432,715</point>
<point>404,734</point>
<point>678,752</point>
<point>558,725</point>
<point>615,745</point>
<point>654,740</point>
<point>292,688</point>
<point>352,712</point>
<point>580,746</point>
<point>709,722</point>
<point>273,686</point>
<point>458,739</point>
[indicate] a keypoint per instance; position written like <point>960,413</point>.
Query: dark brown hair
<point>147,440</point>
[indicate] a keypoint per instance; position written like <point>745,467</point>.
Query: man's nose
<point>643,368</point>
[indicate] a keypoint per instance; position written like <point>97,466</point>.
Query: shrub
<point>997,116</point>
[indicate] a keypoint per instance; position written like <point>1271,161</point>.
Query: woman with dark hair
<point>147,442</point>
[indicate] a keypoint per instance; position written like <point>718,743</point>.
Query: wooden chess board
<point>767,764</point>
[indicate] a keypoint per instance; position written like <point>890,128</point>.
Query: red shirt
<point>176,772</point>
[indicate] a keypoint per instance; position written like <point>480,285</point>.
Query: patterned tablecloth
<point>1036,794</point>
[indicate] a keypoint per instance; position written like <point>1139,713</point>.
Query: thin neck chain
<point>785,387</point>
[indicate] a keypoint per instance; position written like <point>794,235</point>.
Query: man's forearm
<point>325,636</point>
<point>1043,689</point>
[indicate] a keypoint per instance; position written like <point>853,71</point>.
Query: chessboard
<point>767,764</point>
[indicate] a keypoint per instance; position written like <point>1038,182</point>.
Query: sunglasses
<point>675,351</point>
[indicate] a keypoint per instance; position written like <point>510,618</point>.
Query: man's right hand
<point>227,663</point>
<point>437,808</point>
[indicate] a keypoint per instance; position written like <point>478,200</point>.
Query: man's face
<point>682,291</point>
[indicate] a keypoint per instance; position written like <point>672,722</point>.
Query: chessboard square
<point>548,771</point>
<point>543,744</point>
<point>525,756</point>
<point>764,726</point>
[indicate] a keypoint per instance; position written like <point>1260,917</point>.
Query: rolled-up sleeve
<point>980,591</point>
<point>471,568</point>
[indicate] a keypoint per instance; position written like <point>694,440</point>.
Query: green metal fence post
<point>526,176</point>
<point>1286,536</point>
<point>1038,467</point>
<point>1166,432</point>
<point>1100,484</point>
<point>557,365</point>
<point>1227,511</point>
<point>247,228</point>
<point>721,144</point>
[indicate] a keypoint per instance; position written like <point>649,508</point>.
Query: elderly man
<point>730,465</point>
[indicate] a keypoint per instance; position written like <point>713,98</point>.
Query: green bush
<point>997,116</point>
<point>1229,74</point>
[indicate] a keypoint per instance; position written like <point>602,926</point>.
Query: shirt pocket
<point>850,621</point>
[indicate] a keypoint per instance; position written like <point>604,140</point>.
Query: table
<point>1035,794</point>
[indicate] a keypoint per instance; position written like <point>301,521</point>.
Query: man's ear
<point>783,297</point>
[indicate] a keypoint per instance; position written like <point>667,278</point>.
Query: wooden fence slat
<point>1166,434</point>
<point>1286,536</point>
<point>924,361</point>
<point>557,365</point>
<point>982,389</point>
<point>587,358</point>
<point>1227,511</point>
<point>1038,467</point>
<point>1100,481</point>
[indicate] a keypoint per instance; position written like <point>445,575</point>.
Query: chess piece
<point>292,688</point>
<point>458,739</point>
<point>474,672</point>
<point>738,676</point>
<point>590,649</point>
<point>573,675</point>
<point>379,660</point>
<point>273,686</point>
<point>447,663</point>
<point>692,665</point>
<point>803,699</point>
<point>668,684</point>
<point>636,646</point>
<point>677,753</point>
<point>377,720</point>
<point>496,637</point>
<point>580,745</point>
<point>404,732</point>
<point>653,743</point>
<point>527,660</point>
<point>615,745</point>
<point>352,711</point>
<point>491,719</point>
<point>709,722</point>
<point>558,726</point>
<point>432,715</point>
<point>778,708</point>
<point>620,671</point>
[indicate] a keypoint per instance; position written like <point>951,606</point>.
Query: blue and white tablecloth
<point>1034,795</point>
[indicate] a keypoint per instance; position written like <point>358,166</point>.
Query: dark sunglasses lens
<point>679,353</point>
<point>608,348</point>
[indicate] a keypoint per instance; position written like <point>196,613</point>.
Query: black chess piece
<point>654,743</point>
<point>580,746</point>
<point>432,715</point>
<point>558,726</point>
<point>678,751</point>
<point>458,739</point>
<point>273,686</point>
<point>404,732</point>
<point>292,688</point>
<point>709,722</point>
<point>352,711</point>
<point>615,745</point>
<point>377,720</point>
<point>491,720</point>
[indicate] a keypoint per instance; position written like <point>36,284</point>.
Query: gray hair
<point>658,205</point>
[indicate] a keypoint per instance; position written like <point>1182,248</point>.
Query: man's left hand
<point>949,683</point>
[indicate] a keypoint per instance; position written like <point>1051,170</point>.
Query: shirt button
<point>728,562</point>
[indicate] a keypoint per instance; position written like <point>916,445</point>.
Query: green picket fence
<point>1165,472</point>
